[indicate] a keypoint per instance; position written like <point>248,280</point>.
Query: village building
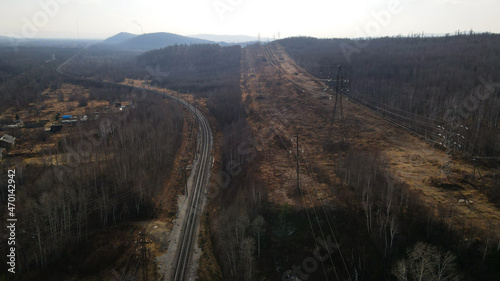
<point>7,141</point>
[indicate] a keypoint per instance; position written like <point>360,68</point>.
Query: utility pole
<point>77,30</point>
<point>342,89</point>
<point>475,168</point>
<point>144,254</point>
<point>185,177</point>
<point>298,182</point>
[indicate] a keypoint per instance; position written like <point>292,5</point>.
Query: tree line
<point>25,74</point>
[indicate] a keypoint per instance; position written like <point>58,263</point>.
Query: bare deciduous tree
<point>426,262</point>
<point>257,225</point>
<point>246,256</point>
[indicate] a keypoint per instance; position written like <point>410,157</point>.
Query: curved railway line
<point>200,175</point>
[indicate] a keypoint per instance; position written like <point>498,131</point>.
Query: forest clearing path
<point>289,96</point>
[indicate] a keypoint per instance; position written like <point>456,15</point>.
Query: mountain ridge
<point>119,38</point>
<point>149,41</point>
<point>225,38</point>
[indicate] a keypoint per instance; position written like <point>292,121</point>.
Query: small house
<point>1,152</point>
<point>7,141</point>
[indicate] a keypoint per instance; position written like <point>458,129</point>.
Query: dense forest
<point>422,82</point>
<point>104,172</point>
<point>205,70</point>
<point>27,72</point>
<point>211,73</point>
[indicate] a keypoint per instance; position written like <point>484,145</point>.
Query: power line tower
<point>297,158</point>
<point>144,254</point>
<point>450,144</point>
<point>340,88</point>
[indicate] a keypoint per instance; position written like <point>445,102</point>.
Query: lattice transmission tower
<point>337,117</point>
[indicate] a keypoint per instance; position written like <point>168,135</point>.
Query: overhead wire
<point>323,209</point>
<point>273,111</point>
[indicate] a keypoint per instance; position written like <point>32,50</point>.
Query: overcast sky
<point>318,18</point>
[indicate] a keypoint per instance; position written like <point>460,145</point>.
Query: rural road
<point>178,260</point>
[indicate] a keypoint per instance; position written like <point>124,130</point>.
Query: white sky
<point>318,18</point>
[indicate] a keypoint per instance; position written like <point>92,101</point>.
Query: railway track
<point>200,174</point>
<point>195,196</point>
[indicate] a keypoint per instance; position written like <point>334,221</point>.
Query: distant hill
<point>150,41</point>
<point>226,38</point>
<point>119,38</point>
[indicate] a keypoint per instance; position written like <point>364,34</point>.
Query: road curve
<point>200,175</point>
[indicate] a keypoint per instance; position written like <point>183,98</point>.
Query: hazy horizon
<point>201,36</point>
<point>99,19</point>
